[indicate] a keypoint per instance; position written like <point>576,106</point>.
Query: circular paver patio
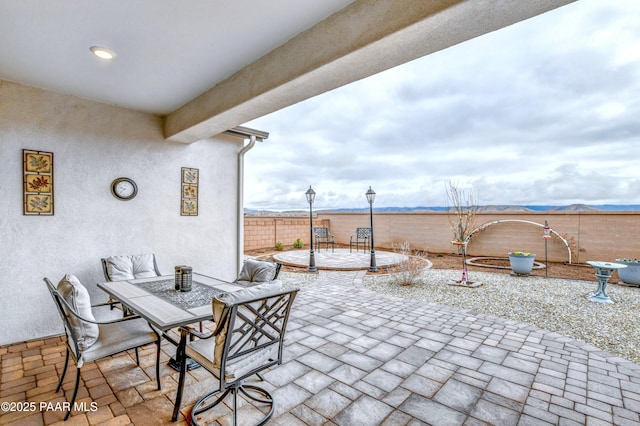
<point>339,259</point>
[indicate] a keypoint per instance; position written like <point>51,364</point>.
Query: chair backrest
<point>77,318</point>
<point>321,232</point>
<point>60,305</point>
<point>250,331</point>
<point>119,268</point>
<point>362,233</point>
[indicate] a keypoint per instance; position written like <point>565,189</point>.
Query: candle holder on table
<point>183,278</point>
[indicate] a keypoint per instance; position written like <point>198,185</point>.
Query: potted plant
<point>630,274</point>
<point>521,262</point>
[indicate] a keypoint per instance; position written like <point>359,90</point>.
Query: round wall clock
<point>124,188</point>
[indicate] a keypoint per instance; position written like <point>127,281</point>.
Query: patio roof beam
<point>360,40</point>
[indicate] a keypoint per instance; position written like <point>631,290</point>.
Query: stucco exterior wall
<point>591,235</point>
<point>93,144</point>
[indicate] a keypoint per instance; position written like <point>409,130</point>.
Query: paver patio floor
<point>354,357</point>
<point>339,259</point>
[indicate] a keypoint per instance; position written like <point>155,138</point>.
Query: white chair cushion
<point>122,268</point>
<point>202,351</point>
<point>245,284</point>
<point>84,333</point>
<point>233,298</point>
<point>119,337</point>
<point>257,271</point>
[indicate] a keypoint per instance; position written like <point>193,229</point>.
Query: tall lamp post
<point>371,196</point>
<point>311,195</point>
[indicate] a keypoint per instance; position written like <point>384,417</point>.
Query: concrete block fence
<point>265,231</point>
<point>591,235</point>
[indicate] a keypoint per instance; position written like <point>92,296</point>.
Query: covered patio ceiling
<point>208,66</point>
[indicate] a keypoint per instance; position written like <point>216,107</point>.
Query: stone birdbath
<point>603,273</point>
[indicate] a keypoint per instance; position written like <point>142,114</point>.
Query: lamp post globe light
<point>311,195</point>
<point>371,196</point>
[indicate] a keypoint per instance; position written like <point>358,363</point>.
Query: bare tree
<point>463,209</point>
<point>462,217</point>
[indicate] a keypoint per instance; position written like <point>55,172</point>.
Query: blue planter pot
<point>521,264</point>
<point>630,274</point>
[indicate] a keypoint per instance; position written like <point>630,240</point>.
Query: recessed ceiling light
<point>102,52</point>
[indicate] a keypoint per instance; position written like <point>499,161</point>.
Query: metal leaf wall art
<point>189,197</point>
<point>37,172</point>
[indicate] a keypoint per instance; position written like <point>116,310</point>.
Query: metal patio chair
<point>248,338</point>
<point>89,340</point>
<point>129,267</point>
<point>362,235</point>
<point>324,237</point>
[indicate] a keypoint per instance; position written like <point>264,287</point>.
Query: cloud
<point>541,112</point>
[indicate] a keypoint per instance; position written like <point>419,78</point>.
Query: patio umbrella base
<point>175,364</point>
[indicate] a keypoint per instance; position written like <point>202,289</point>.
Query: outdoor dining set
<point>250,317</point>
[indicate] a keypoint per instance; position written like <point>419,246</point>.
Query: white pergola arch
<point>486,225</point>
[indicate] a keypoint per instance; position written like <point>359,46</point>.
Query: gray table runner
<point>200,294</point>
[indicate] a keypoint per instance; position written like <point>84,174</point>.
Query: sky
<point>544,112</point>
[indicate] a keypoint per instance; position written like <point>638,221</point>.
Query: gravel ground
<point>555,304</point>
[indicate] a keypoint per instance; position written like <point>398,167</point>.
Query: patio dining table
<point>156,300</point>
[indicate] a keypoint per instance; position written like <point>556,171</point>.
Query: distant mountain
<point>505,209</point>
<point>587,207</point>
<point>490,208</point>
<point>254,212</point>
<point>575,208</point>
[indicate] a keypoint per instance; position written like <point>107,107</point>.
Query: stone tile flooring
<point>340,259</point>
<point>355,358</point>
